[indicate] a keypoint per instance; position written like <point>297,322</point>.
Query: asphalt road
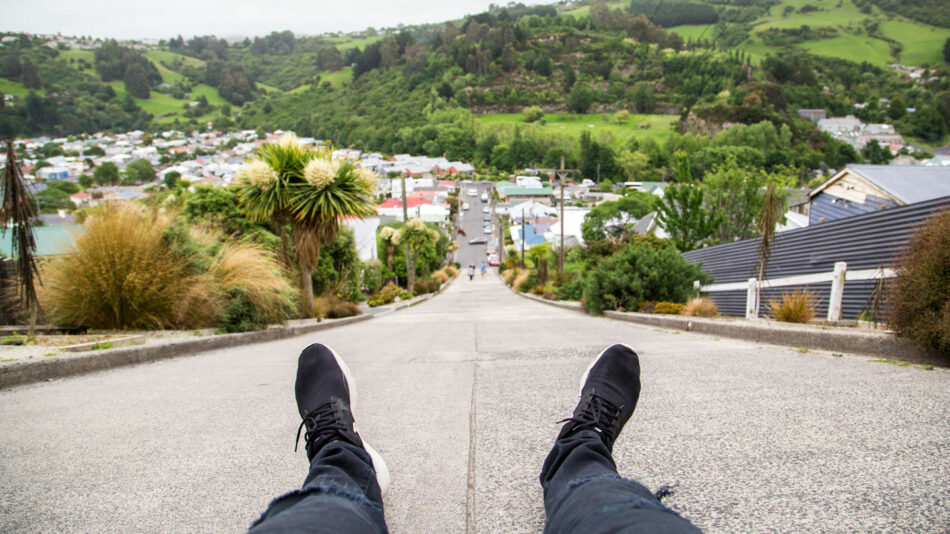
<point>473,223</point>
<point>461,395</point>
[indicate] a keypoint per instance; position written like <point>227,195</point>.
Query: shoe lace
<point>320,421</point>
<point>599,415</point>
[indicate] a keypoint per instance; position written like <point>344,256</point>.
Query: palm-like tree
<point>386,235</point>
<point>288,183</point>
<point>17,211</point>
<point>415,235</point>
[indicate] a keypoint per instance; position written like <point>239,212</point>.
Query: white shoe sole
<point>382,470</point>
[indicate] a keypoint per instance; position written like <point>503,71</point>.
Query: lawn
<point>77,54</point>
<point>10,87</point>
<point>656,126</point>
<point>338,78</point>
<point>169,58</point>
<point>345,43</point>
<point>922,43</point>
<point>855,48</point>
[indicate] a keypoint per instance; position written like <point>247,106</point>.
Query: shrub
<point>526,280</point>
<point>122,275</point>
<point>452,270</point>
<point>671,308</point>
<point>375,300</point>
<point>514,277</point>
<point>405,295</point>
<point>572,290</point>
<point>372,276</point>
<point>640,272</point>
<point>333,307</point>
<point>701,307</point>
<point>794,307</point>
<point>439,277</point>
<point>426,286</point>
<point>537,290</point>
<point>647,307</point>
<point>920,308</point>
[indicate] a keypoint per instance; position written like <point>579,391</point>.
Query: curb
<point>16,374</point>
<point>28,372</point>
<point>865,343</point>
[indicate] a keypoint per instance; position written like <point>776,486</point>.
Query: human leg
<point>582,490</point>
<point>347,479</point>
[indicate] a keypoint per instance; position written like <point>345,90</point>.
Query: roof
<point>50,240</point>
<point>528,191</point>
<point>906,184</point>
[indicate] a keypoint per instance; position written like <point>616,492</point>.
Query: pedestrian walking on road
<point>484,269</point>
<point>583,493</point>
<point>471,271</point>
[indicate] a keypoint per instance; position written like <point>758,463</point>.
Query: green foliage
<point>171,179</point>
<point>876,154</point>
<point>921,299</point>
<point>640,272</point>
<point>533,114</point>
<point>580,99</point>
<point>106,174</point>
<point>139,171</point>
<point>734,196</point>
<point>612,219</point>
<point>372,276</point>
<point>339,269</point>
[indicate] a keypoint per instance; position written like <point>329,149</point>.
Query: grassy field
<point>656,126</point>
<point>338,78</point>
<point>345,43</point>
<point>10,87</point>
<point>77,54</point>
<point>922,42</point>
<point>169,58</point>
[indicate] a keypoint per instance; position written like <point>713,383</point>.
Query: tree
<point>106,174</point>
<point>415,236</point>
<point>533,114</point>
<point>684,218</point>
<point>770,214</point>
<point>136,81</point>
<point>329,58</point>
<point>735,194</point>
<point>876,154</point>
<point>388,51</point>
<point>171,179</point>
<point>86,181</point>
<point>612,219</point>
<point>570,77</point>
<point>580,99</point>
<point>633,164</point>
<point>286,183</point>
<point>946,51</point>
<point>93,150</point>
<point>928,124</point>
<point>621,117</point>
<point>16,214</point>
<point>11,66</point>
<point>139,171</point>
<point>28,74</point>
<point>897,109</point>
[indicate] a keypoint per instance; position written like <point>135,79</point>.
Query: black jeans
<point>339,495</point>
<point>582,493</point>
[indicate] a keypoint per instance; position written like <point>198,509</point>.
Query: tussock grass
<point>794,306</point>
<point>701,307</point>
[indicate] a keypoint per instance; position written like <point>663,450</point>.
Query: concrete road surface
<point>461,395</point>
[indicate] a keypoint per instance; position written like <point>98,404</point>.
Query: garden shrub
<point>386,295</point>
<point>640,272</point>
<point>701,307</point>
<point>426,285</point>
<point>440,277</point>
<point>537,291</point>
<point>572,290</point>
<point>670,308</point>
<point>647,307</point>
<point>796,306</point>
<point>920,305</point>
<point>405,295</point>
<point>525,281</point>
<point>453,270</point>
<point>372,276</point>
<point>333,307</point>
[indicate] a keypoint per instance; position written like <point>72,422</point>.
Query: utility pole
<point>405,220</point>
<point>561,175</point>
<point>524,237</point>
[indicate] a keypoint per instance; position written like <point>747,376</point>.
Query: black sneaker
<point>609,391</point>
<point>326,397</point>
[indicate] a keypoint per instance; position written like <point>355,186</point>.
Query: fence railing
<point>838,277</point>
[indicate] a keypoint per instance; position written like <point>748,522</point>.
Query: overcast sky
<point>130,19</point>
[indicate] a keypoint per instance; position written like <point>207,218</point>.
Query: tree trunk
<point>306,290</point>
<point>411,258</point>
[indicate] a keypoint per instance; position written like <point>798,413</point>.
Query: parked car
<point>493,260</point>
<point>485,209</point>
<point>486,218</point>
<point>487,229</point>
<point>478,241</point>
<point>484,197</point>
<point>473,192</point>
<point>465,206</point>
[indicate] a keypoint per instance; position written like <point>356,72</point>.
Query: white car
<point>473,192</point>
<point>487,229</point>
<point>465,205</point>
<point>484,197</point>
<point>485,209</point>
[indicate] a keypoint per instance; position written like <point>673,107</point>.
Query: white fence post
<point>837,292</point>
<point>750,298</point>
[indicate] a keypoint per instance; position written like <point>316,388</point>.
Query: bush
<point>671,308</point>
<point>533,114</point>
<point>647,307</point>
<point>537,291</point>
<point>640,272</point>
<point>439,277</point>
<point>333,307</point>
<point>526,281</point>
<point>794,306</point>
<point>452,270</point>
<point>920,308</point>
<point>701,307</point>
<point>572,290</point>
<point>136,269</point>
<point>372,276</point>
<point>405,295</point>
<point>427,285</point>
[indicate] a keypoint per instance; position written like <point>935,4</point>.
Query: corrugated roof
<point>907,184</point>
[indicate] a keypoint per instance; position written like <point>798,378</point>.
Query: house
<point>80,199</point>
<point>392,207</point>
<point>573,219</point>
<point>541,194</point>
<point>534,235</point>
<point>813,115</point>
<point>859,189</point>
<point>841,125</point>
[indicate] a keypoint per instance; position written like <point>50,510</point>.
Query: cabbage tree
<point>415,236</point>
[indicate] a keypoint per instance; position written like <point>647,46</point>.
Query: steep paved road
<point>461,395</point>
